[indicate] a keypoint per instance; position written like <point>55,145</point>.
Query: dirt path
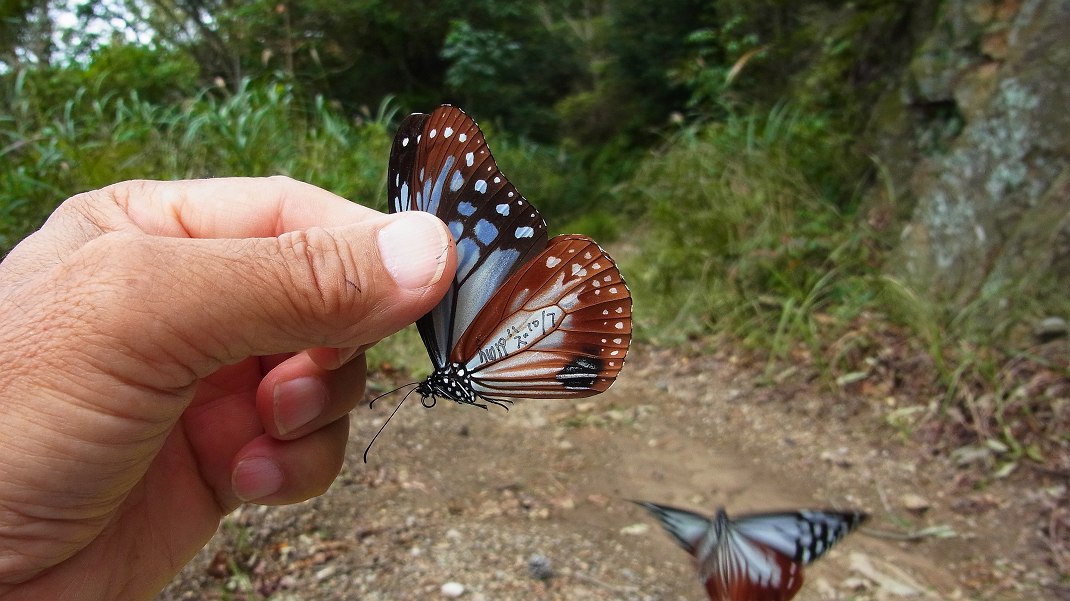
<point>455,494</point>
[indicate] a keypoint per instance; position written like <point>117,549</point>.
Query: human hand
<point>171,349</point>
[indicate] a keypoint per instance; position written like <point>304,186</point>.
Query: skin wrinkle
<point>322,262</point>
<point>262,279</point>
<point>318,252</point>
<point>109,461</point>
<point>111,312</point>
<point>178,211</point>
<point>26,547</point>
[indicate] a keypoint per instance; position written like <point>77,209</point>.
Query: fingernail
<point>413,248</point>
<point>255,478</point>
<point>298,402</point>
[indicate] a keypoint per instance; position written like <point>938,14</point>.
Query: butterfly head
<point>452,381</point>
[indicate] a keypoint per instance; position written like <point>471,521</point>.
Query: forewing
<point>801,535</point>
<point>440,163</point>
<point>687,527</point>
<point>558,328</point>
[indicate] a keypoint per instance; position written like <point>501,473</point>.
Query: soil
<point>532,503</point>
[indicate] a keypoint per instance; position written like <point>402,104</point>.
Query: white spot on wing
<point>552,262</point>
<point>469,159</point>
<point>447,133</point>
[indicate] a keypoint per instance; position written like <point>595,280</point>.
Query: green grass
<point>738,234</point>
<point>48,153</point>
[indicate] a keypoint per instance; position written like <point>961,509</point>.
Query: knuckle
<point>325,273</point>
<point>282,180</point>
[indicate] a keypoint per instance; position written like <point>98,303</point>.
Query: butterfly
<point>755,557</point>
<point>525,317</point>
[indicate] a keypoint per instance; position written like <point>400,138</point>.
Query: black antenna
<point>383,427</point>
<point>371,403</point>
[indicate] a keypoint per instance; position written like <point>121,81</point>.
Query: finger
<point>299,396</point>
<point>209,208</point>
<point>237,207</point>
<point>198,304</point>
<point>270,362</point>
<point>276,472</point>
<point>331,358</point>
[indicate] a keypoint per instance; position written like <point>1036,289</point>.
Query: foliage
<point>50,153</point>
<point>741,226</point>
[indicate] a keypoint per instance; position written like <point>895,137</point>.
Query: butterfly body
<point>526,316</point>
<point>756,557</point>
<point>451,381</point>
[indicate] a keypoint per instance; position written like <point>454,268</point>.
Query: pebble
<point>452,589</point>
<point>914,502</point>
<point>540,568</point>
<point>1051,328</point>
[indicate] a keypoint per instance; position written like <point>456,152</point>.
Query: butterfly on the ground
<point>525,317</point>
<point>755,557</point>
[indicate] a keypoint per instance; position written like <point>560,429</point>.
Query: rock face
<point>976,145</point>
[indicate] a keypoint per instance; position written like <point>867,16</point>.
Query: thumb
<point>210,302</point>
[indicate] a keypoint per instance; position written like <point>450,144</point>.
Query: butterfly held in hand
<point>756,557</point>
<point>525,317</point>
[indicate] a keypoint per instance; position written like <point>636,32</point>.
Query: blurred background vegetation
<point>726,150</point>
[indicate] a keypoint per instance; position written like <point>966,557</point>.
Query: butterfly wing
<point>801,535</point>
<point>440,163</point>
<point>761,556</point>
<point>558,328</point>
<point>687,527</point>
<point>757,557</point>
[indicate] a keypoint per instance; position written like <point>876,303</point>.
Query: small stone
<point>915,503</point>
<point>597,499</point>
<point>452,589</point>
<point>854,583</point>
<point>837,457</point>
<point>635,529</point>
<point>540,568</point>
<point>326,573</point>
<point>1051,328</point>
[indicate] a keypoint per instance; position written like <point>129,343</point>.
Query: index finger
<point>233,207</point>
